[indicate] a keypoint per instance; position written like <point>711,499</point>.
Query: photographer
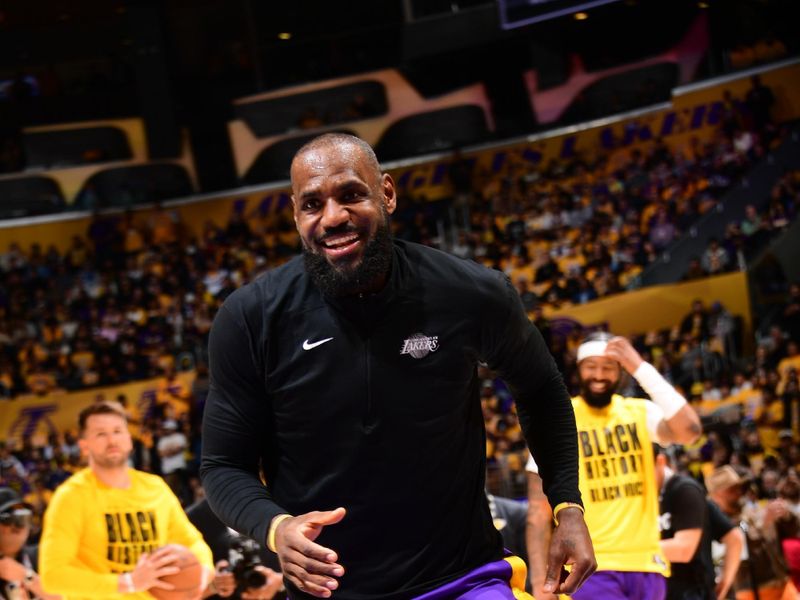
<point>18,580</point>
<point>240,562</point>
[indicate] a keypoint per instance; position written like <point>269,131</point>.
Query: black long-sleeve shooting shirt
<point>372,403</point>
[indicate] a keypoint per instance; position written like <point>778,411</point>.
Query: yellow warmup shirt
<point>93,532</point>
<point>618,485</point>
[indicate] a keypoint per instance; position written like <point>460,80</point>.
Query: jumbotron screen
<point>516,13</point>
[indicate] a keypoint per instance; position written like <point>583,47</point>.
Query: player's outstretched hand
<point>308,566</point>
<point>621,350</point>
<point>570,545</point>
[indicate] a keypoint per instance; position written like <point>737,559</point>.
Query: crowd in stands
<point>743,238</point>
<point>125,303</point>
<point>135,298</point>
<point>582,231</point>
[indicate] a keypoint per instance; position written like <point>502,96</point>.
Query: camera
<point>244,556</point>
<point>14,591</point>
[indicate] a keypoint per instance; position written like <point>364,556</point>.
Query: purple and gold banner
<point>37,416</point>
<point>659,307</point>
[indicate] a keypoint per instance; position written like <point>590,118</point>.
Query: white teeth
<point>338,242</point>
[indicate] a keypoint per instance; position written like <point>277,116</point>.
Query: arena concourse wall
<point>694,112</point>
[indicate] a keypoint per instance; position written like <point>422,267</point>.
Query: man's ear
<point>389,193</point>
<point>294,209</point>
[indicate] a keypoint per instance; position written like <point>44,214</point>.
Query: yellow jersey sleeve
<point>181,531</point>
<point>60,569</point>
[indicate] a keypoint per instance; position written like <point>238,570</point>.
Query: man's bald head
<point>338,140</point>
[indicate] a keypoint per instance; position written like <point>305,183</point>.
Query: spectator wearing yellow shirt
<point>770,419</point>
<point>51,332</point>
<point>163,226</point>
<point>78,253</point>
<point>572,261</point>
<point>172,391</point>
<point>83,358</point>
<point>521,268</point>
<point>787,364</point>
<point>31,354</point>
<point>6,381</point>
<point>39,381</point>
<point>132,237</point>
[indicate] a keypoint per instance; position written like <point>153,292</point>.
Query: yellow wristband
<point>272,528</point>
<point>562,506</point>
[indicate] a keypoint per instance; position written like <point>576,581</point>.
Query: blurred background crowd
<point>132,298</point>
<point>131,301</point>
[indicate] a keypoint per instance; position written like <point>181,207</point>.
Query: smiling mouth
<point>599,386</point>
<point>336,246</point>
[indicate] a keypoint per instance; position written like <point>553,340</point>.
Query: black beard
<point>596,400</point>
<point>374,264</point>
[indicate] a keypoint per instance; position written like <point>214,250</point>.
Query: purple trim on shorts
<point>487,582</point>
<point>623,585</point>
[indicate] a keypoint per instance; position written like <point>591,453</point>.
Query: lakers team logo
<point>420,345</point>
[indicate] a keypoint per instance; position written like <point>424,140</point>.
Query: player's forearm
<point>683,424</point>
<point>514,348</point>
<point>537,539</point>
<point>548,422</point>
<point>538,530</point>
<point>240,500</point>
<point>678,551</point>
<point>236,425</point>
<point>549,426</point>
<point>733,541</point>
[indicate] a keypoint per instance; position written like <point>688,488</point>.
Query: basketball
<point>186,581</point>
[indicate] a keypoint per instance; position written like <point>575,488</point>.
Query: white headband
<point>592,348</point>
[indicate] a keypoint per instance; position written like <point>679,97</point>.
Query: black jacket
<point>372,403</point>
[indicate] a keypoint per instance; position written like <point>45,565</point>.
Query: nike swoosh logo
<point>311,345</point>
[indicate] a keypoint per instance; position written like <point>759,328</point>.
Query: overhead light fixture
<point>702,4</point>
<point>580,16</point>
<point>285,36</point>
